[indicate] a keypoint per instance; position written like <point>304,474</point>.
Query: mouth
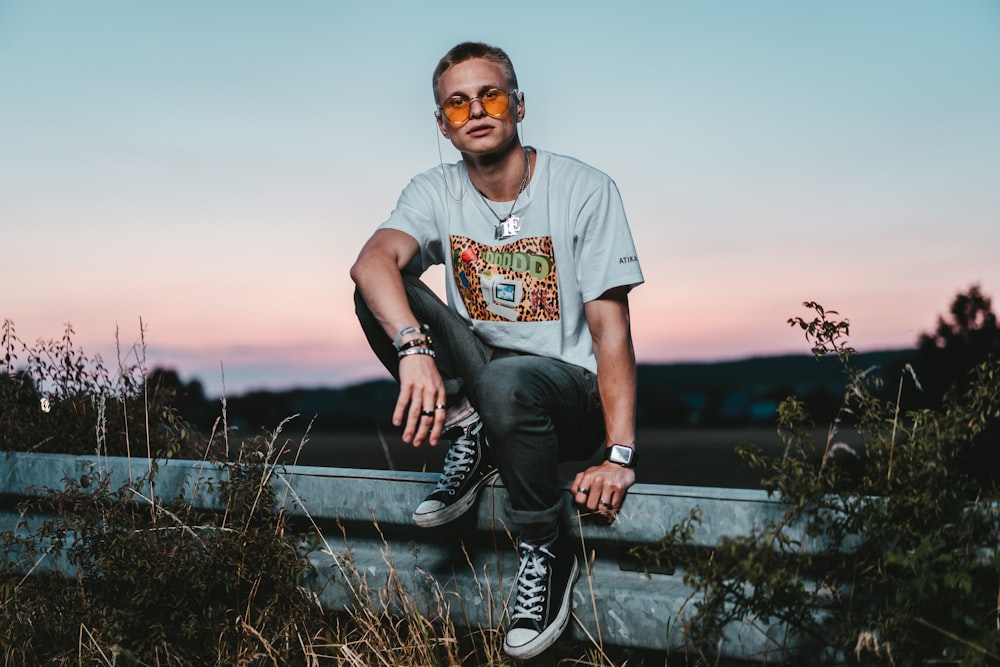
<point>479,130</point>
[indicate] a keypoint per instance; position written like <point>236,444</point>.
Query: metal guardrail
<point>370,545</point>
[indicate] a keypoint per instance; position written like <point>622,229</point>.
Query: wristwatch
<point>623,455</point>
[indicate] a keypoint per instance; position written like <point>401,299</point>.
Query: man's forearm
<point>385,296</point>
<point>376,273</point>
<point>608,318</point>
<point>616,381</point>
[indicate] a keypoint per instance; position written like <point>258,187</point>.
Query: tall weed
<point>161,583</point>
<point>54,398</point>
<point>888,550</point>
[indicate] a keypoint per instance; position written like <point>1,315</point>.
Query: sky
<point>211,169</point>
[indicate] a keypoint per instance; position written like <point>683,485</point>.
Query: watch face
<point>620,454</point>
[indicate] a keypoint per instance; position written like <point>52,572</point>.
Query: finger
<point>608,507</point>
<point>409,419</point>
<point>578,489</point>
<point>402,403</point>
<point>596,493</point>
<point>440,412</point>
<point>607,504</point>
<point>416,428</point>
<point>435,411</point>
<point>610,497</point>
<point>424,423</point>
<point>411,427</point>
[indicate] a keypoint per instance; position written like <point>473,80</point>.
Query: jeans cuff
<point>521,519</point>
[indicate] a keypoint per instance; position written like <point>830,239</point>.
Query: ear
<point>442,126</point>
<point>520,106</point>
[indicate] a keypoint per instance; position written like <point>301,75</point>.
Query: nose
<point>473,103</point>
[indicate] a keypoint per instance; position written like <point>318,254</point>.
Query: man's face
<point>482,134</point>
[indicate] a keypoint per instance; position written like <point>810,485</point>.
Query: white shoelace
<point>459,460</point>
<point>457,464</point>
<point>530,582</point>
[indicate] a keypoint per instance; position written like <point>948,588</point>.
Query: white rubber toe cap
<point>428,507</point>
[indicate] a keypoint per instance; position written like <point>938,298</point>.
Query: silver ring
<point>604,504</point>
<point>440,406</point>
<point>426,413</point>
<point>583,491</point>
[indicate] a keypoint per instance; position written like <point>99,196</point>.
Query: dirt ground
<point>688,457</point>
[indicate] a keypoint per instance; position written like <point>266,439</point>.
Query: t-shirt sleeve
<point>606,254</point>
<point>416,214</point>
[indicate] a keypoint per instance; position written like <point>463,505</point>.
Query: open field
<point>689,457</point>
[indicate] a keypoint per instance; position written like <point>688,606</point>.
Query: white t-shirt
<point>526,292</point>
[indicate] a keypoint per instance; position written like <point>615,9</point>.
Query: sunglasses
<point>458,108</point>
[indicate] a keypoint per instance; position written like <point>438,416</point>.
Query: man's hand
<point>420,406</point>
<point>602,488</point>
<point>376,272</point>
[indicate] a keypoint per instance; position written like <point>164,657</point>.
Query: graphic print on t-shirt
<point>515,282</point>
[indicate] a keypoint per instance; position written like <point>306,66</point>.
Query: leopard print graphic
<point>515,282</point>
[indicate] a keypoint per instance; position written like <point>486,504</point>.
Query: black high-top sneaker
<point>467,469</point>
<point>544,597</point>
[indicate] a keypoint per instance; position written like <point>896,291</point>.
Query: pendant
<point>508,228</point>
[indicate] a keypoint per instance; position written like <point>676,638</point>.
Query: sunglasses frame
<point>479,98</point>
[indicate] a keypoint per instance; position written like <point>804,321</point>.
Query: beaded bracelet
<point>416,342</point>
<point>408,330</point>
<point>416,350</point>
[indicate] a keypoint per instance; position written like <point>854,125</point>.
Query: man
<point>531,362</point>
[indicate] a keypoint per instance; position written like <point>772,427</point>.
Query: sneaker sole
<point>455,510</point>
<point>549,635</point>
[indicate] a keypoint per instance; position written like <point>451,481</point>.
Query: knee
<point>495,385</point>
<point>500,391</point>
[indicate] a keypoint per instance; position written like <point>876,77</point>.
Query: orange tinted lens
<point>495,101</point>
<point>456,109</point>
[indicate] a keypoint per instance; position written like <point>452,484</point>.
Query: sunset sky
<point>214,167</point>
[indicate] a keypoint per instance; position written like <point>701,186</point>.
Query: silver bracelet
<point>416,350</point>
<point>405,331</point>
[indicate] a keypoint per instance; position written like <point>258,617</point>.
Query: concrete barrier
<point>370,547</point>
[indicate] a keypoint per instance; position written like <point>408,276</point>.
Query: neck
<point>498,178</point>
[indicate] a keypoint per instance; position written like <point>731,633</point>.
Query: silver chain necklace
<point>509,226</point>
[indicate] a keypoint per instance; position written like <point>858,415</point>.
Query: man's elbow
<point>357,270</point>
<point>385,251</point>
<point>366,264</point>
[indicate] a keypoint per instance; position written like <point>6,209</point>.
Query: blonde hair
<point>469,50</point>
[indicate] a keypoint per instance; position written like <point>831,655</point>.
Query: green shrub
<point>160,583</point>
<point>887,552</point>
<point>60,400</point>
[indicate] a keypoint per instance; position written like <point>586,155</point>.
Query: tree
<point>965,339</point>
<point>944,363</point>
<point>188,398</point>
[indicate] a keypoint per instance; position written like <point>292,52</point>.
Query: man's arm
<point>608,320</point>
<point>377,274</point>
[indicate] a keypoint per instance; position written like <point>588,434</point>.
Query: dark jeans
<point>537,411</point>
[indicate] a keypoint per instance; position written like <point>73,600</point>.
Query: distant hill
<point>746,390</point>
<point>726,392</point>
